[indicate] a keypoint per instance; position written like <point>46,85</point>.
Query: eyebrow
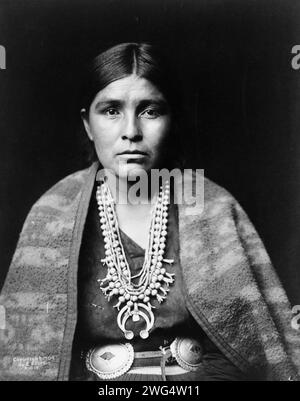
<point>160,102</point>
<point>107,102</point>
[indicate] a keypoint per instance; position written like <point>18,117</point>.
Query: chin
<point>132,170</point>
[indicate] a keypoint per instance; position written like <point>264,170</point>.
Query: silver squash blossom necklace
<point>152,281</point>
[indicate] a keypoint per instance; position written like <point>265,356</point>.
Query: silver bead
<point>135,317</point>
<point>144,334</point>
<point>129,335</point>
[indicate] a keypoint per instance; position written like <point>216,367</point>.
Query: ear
<point>85,120</point>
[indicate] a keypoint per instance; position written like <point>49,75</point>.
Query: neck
<point>129,192</point>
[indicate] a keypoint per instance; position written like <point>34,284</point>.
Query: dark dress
<point>97,319</point>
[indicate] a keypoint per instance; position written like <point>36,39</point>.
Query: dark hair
<point>145,61</point>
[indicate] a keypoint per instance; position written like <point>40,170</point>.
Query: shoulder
<point>65,191</point>
<point>196,184</point>
<point>214,192</point>
<point>222,210</point>
<point>218,200</point>
<point>54,213</point>
<point>58,203</point>
<point>210,205</point>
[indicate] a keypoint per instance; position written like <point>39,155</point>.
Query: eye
<point>151,113</point>
<point>111,112</point>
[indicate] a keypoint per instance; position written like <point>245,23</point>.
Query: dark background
<point>242,97</point>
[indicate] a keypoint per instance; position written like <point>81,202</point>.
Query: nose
<point>131,129</point>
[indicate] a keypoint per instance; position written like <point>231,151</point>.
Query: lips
<point>133,152</point>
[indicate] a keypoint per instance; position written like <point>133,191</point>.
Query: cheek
<point>102,132</point>
<point>157,131</point>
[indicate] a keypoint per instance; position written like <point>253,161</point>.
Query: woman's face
<point>128,121</point>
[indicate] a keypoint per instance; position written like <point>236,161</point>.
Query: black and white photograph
<point>149,192</point>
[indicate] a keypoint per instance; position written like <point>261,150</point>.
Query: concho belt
<point>111,361</point>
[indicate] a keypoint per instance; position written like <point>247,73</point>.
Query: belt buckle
<point>188,353</point>
<point>110,361</point>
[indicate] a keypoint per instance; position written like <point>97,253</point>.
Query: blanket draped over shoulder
<point>231,288</point>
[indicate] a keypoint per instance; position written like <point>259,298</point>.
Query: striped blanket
<point>231,288</point>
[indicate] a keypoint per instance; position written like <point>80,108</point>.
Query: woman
<point>102,288</point>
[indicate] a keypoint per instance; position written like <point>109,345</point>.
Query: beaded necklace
<point>152,280</point>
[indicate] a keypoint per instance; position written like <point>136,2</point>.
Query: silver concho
<point>187,352</point>
<point>110,361</point>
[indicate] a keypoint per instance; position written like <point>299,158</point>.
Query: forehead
<point>129,89</point>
